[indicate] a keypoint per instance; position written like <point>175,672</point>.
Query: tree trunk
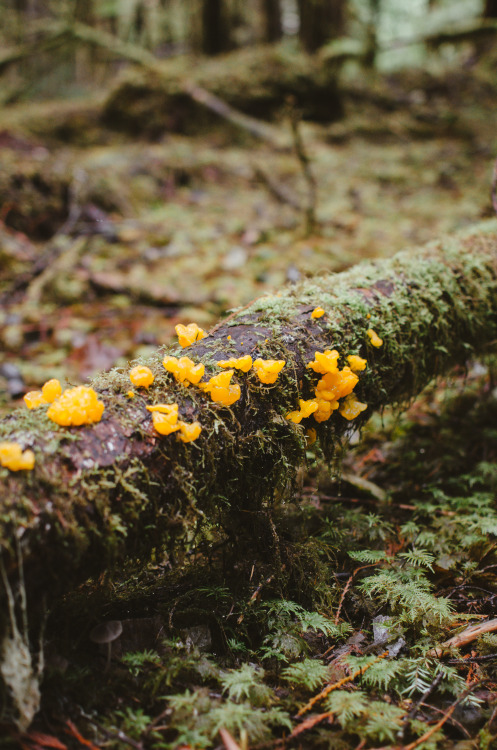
<point>118,489</point>
<point>271,13</point>
<point>210,27</point>
<point>320,21</point>
<point>490,10</point>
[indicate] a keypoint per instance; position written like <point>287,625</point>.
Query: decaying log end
<point>118,489</point>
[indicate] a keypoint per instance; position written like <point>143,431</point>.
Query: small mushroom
<point>107,632</point>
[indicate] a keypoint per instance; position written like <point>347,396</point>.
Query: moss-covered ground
<point>383,556</point>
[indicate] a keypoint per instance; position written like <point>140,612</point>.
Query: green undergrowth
<point>373,569</point>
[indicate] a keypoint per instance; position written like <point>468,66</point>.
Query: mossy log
<point>114,490</point>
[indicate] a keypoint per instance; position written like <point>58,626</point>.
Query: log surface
<point>101,493</point>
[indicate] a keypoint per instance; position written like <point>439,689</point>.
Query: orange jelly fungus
<point>34,399</point>
<point>130,394</point>
<point>267,370</point>
<point>318,312</point>
<point>242,363</point>
<point>76,406</point>
<point>51,390</point>
<point>165,423</point>
<point>306,409</point>
<point>220,389</point>
<point>165,418</point>
<point>334,385</point>
<point>12,457</point>
<point>351,407</point>
<point>189,432</point>
<point>356,363</point>
<point>184,369</point>
<point>375,339</point>
<point>141,376</point>
<point>325,361</point>
<point>187,335</point>
<point>325,409</point>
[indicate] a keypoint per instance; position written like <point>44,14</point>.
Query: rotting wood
<point>114,490</point>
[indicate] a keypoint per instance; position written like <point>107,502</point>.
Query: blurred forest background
<point>168,160</point>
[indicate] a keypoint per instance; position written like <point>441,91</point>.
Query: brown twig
<point>467,636</point>
<point>329,688</point>
<point>346,588</point>
<point>305,162</point>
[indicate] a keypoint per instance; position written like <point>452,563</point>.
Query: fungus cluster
<point>14,458</point>
<point>76,406</point>
<point>165,420</point>
<point>334,385</point>
<point>220,389</point>
<point>49,392</point>
<point>184,369</point>
<point>267,370</point>
<point>241,363</point>
<point>188,335</point>
<point>141,376</point>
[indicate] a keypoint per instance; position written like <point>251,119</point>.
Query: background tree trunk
<point>490,10</point>
<point>271,12</point>
<point>320,21</point>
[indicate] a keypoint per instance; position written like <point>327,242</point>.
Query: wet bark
<point>100,494</point>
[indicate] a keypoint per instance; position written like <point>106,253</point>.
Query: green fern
<point>309,674</point>
<point>347,706</point>
<point>246,683</point>
<point>256,722</point>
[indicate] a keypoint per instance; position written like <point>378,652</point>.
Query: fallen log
<point>117,489</point>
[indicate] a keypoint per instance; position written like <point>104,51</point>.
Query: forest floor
<point>104,248</point>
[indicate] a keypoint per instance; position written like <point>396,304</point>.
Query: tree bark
<point>114,490</point>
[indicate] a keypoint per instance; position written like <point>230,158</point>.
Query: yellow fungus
<point>335,385</point>
<point>242,363</point>
<point>184,369</point>
<point>226,395</point>
<point>222,380</point>
<point>306,409</point>
<point>351,407</point>
<point>130,394</point>
<point>76,406</point>
<point>325,361</point>
<point>229,338</point>
<point>141,376</point>
<point>318,312</point>
<point>356,363</point>
<point>368,316</point>
<point>14,458</point>
<point>165,423</point>
<point>51,390</point>
<point>189,432</point>
<point>267,370</point>
<point>311,436</point>
<point>375,339</point>
<point>34,399</point>
<point>325,409</point>
<point>187,335</point>
<point>169,409</point>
